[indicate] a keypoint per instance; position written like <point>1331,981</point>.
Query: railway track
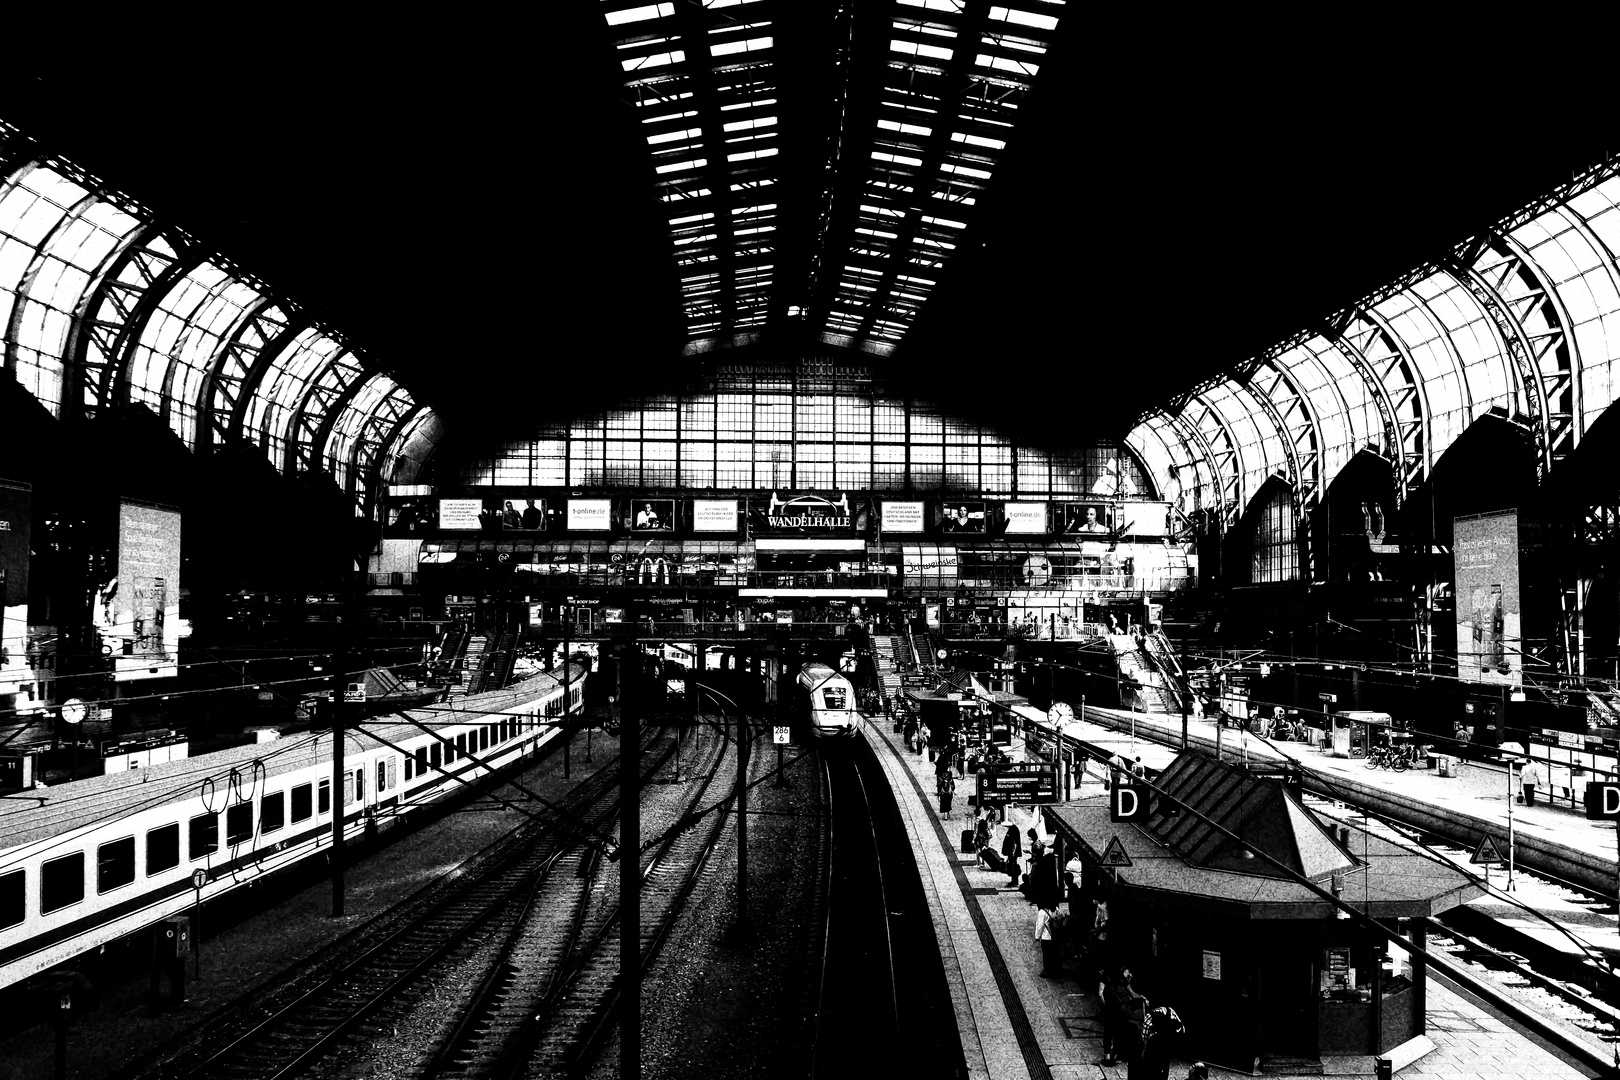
<point>374,968</point>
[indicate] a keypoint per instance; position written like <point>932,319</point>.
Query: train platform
<point>1017,1025</point>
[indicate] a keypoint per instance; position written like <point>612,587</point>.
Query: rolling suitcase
<point>967,841</point>
<point>992,858</point>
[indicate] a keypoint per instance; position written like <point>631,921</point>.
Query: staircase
<point>886,658</point>
<point>471,666</point>
<point>1156,697</point>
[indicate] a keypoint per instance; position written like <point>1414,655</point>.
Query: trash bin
<point>1445,766</point>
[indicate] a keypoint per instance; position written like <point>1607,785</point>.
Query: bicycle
<point>1387,757</point>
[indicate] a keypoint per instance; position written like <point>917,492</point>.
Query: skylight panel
<point>946,222</point>
<point>756,182</point>
<point>905,129</point>
<point>1015,44</point>
<point>915,280</point>
<point>691,218</point>
<point>760,209</point>
<point>695,193</point>
<point>877,233</point>
<point>757,103</point>
<point>715,4</point>
<point>748,45</point>
<point>881,211</point>
<point>695,163</point>
<point>700,238</point>
<point>749,125</point>
<point>756,229</point>
<point>661,98</point>
<point>917,48</point>
<point>898,159</point>
<point>964,170</point>
<point>663,59</point>
<point>692,134</point>
<point>1023,18</point>
<point>935,5</point>
<point>640,14</point>
<point>750,155</point>
<point>731,27</point>
<point>979,140</point>
<point>1002,63</point>
<point>669,116</point>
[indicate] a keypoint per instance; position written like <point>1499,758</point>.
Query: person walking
<point>981,830</point>
<point>1161,1027</point>
<point>1012,851</point>
<point>1046,935</point>
<point>945,786</point>
<point>1529,777</point>
<point>1120,1001</point>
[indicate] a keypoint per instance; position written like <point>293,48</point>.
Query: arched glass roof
<point>1524,318</point>
<point>103,304</point>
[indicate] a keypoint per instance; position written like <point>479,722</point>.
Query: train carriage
<point>86,863</point>
<point>830,701</point>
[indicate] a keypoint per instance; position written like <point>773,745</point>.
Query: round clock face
<point>1060,713</point>
<point>73,710</point>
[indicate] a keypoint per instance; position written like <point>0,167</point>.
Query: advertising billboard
<point>714,515</point>
<point>1485,554</point>
<point>652,515</point>
<point>140,608</point>
<point>590,515</point>
<point>16,502</point>
<point>802,515</point>
<point>1085,518</point>
<point>459,513</point>
<point>1025,517</point>
<point>962,517</point>
<point>902,517</point>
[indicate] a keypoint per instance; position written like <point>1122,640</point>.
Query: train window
<point>461,745</point>
<point>422,760</point>
<point>324,799</point>
<point>301,802</point>
<point>115,864</point>
<point>61,882</point>
<point>382,776</point>
<point>835,698</point>
<point>13,898</point>
<point>348,788</point>
<point>360,784</point>
<point>204,836</point>
<point>483,738</point>
<point>239,823</point>
<point>162,849</point>
<point>433,752</point>
<point>393,773</point>
<point>272,812</point>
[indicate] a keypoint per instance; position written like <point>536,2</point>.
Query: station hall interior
<point>747,320</point>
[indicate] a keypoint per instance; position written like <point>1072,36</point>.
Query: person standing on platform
<point>1120,999</point>
<point>981,830</point>
<point>945,785</point>
<point>1046,936</point>
<point>1529,777</point>
<point>1012,851</point>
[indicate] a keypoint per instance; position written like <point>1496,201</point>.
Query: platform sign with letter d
<point>1603,801</point>
<point>1128,802</point>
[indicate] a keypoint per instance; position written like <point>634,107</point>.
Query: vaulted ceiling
<point>1033,216</point>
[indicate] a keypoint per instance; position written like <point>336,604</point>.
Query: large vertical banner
<point>16,509</point>
<point>143,608</point>
<point>1486,562</point>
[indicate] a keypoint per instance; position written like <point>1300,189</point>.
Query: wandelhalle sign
<point>802,515</point>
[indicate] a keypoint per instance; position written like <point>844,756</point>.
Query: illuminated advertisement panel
<point>590,515</point>
<point>902,517</point>
<point>652,515</point>
<point>1025,517</point>
<point>714,515</point>
<point>962,517</point>
<point>1085,518</point>
<point>140,608</point>
<point>1486,564</point>
<point>15,515</point>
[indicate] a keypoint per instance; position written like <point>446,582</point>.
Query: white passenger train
<point>83,864</point>
<point>830,699</point>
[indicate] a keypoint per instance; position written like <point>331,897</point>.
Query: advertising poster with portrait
<point>1485,553</point>
<point>1086,518</point>
<point>16,515</point>
<point>651,515</point>
<point>962,517</point>
<point>1025,518</point>
<point>714,515</point>
<point>139,613</point>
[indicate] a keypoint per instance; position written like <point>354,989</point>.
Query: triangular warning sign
<point>1114,854</point>
<point>1487,851</point>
